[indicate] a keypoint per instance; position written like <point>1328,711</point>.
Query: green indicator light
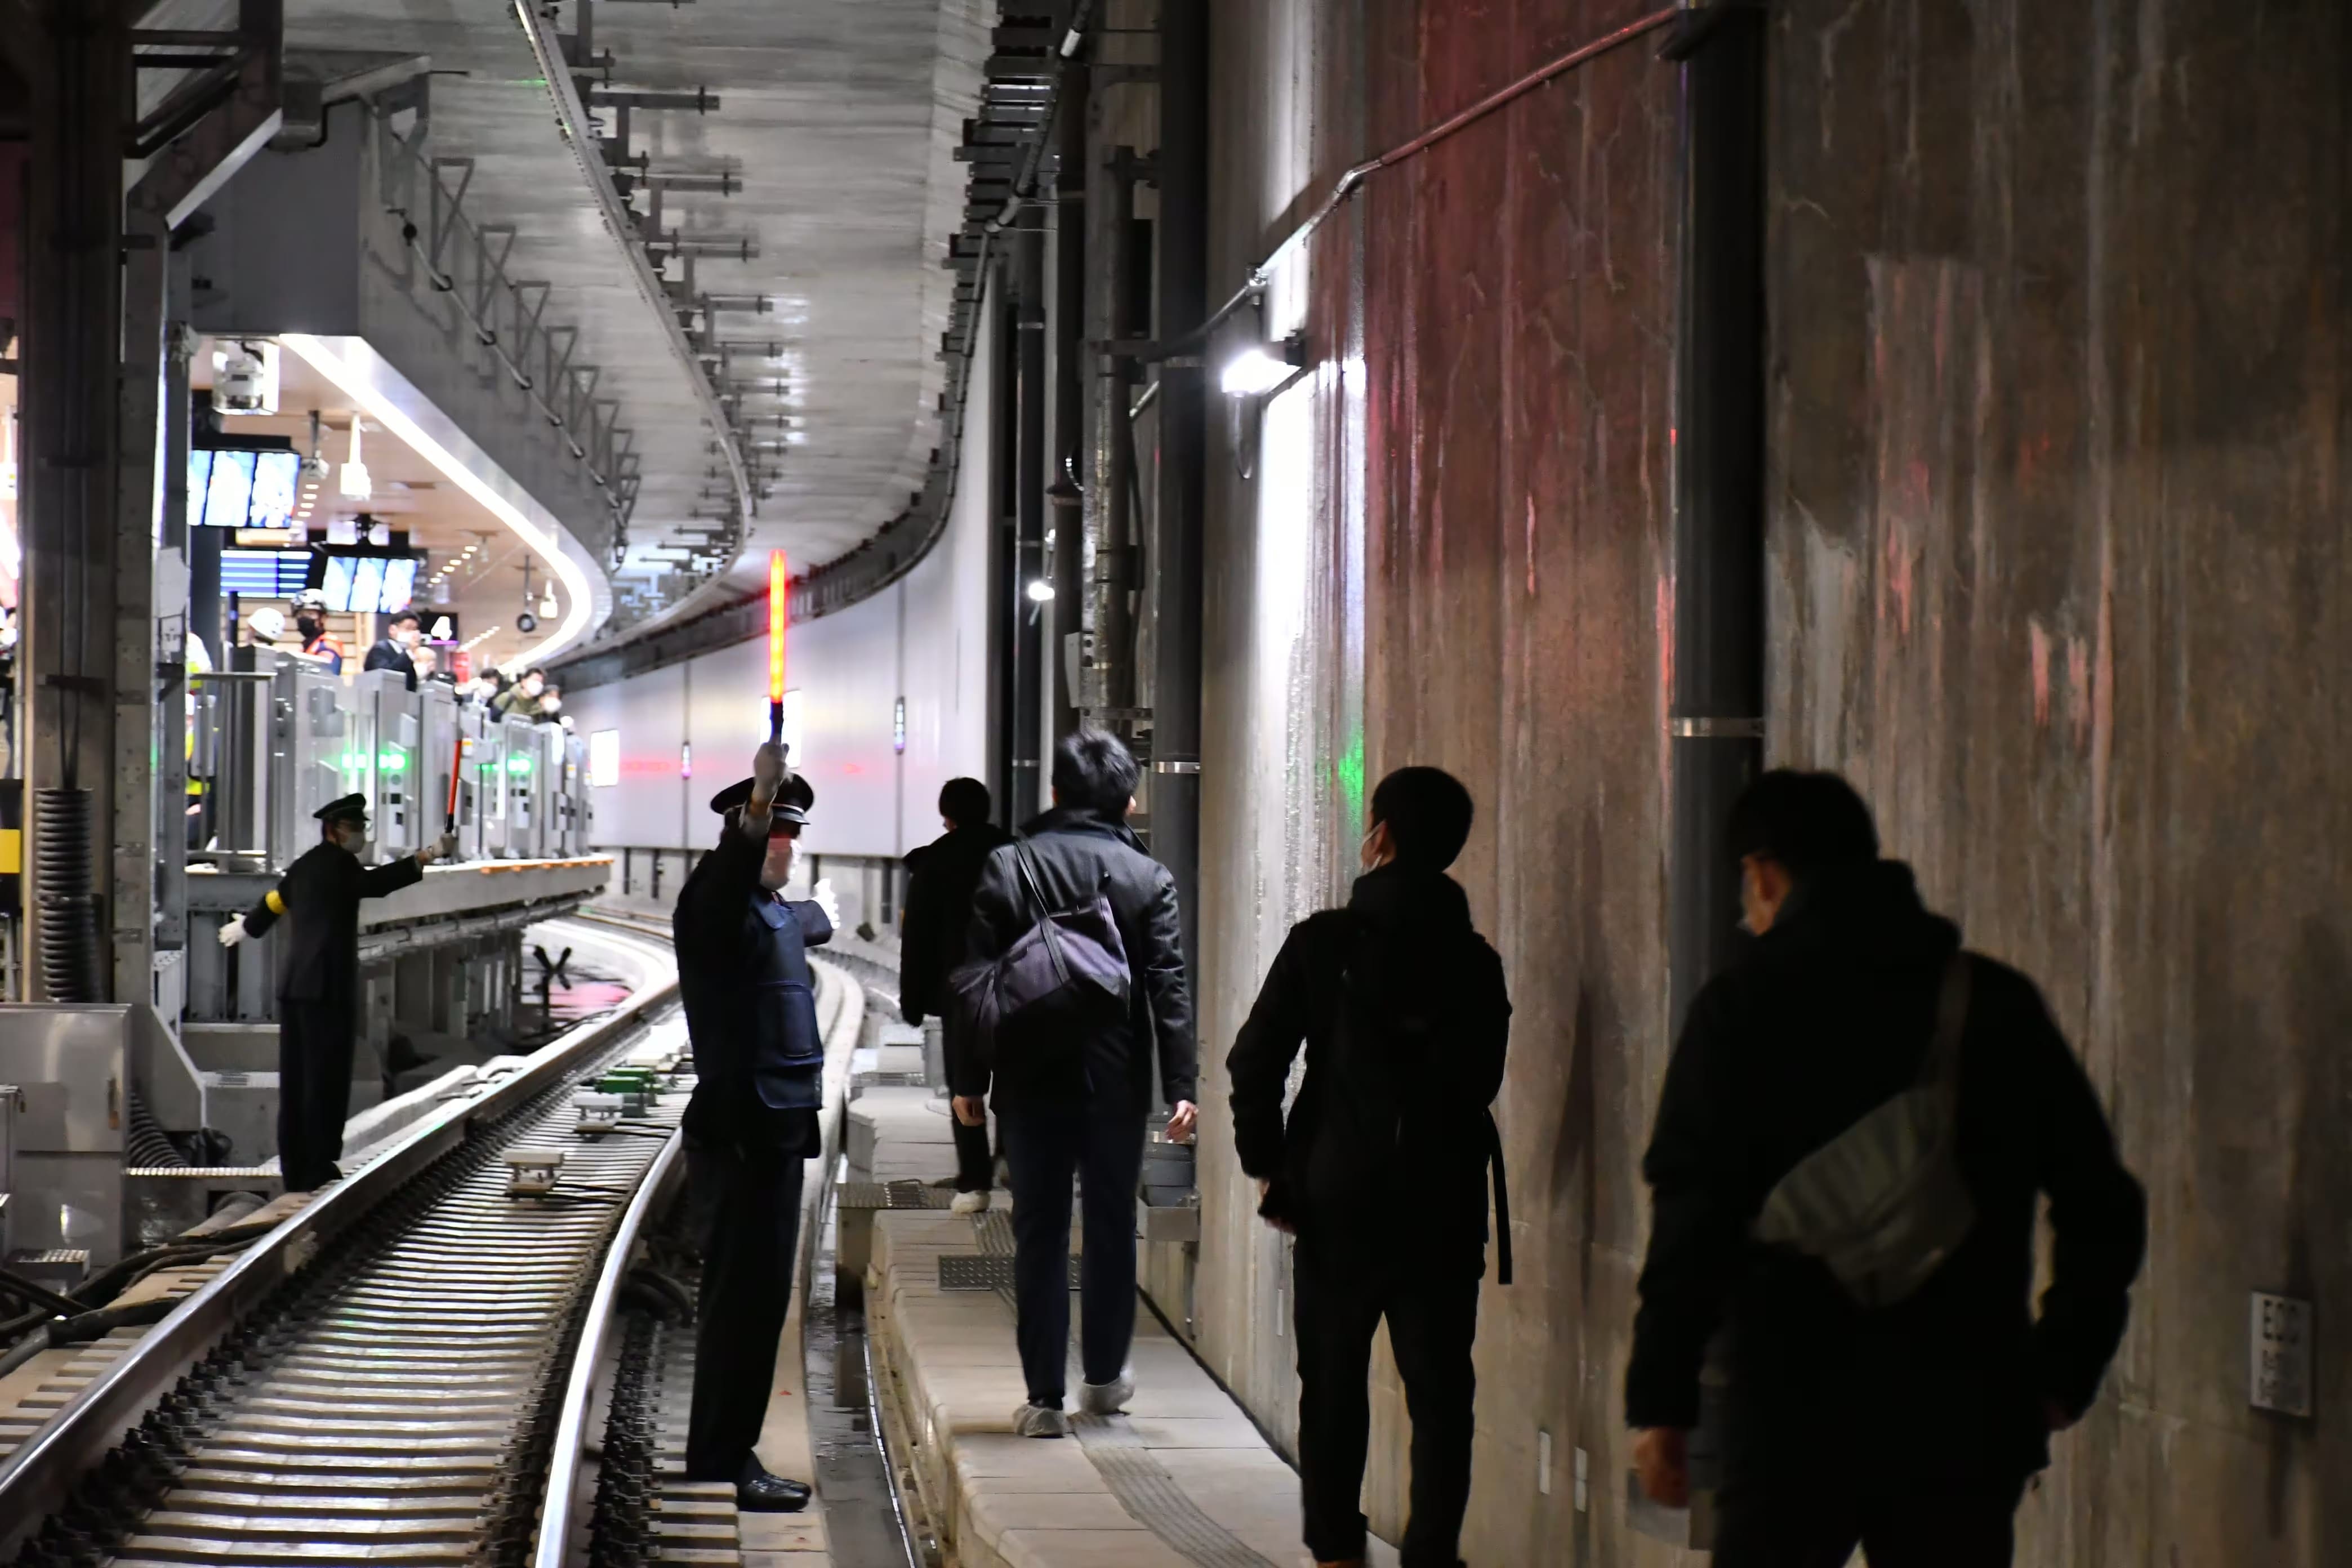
<point>518,764</point>
<point>393,761</point>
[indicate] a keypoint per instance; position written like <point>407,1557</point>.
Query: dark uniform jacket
<point>1827,1017</point>
<point>390,655</point>
<point>1077,855</point>
<point>751,1002</point>
<point>940,878</point>
<point>320,895</point>
<point>1405,1016</point>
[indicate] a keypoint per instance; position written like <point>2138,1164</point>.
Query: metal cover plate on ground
<point>974,1271</point>
<point>893,1195</point>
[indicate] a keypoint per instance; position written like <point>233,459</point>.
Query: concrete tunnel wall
<point>2058,573</point>
<point>924,638</point>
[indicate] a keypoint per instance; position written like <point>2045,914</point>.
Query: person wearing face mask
<point>405,631</point>
<point>550,706</point>
<point>310,621</point>
<point>758,1062</point>
<point>319,897</point>
<point>1381,1168</point>
<point>521,699</point>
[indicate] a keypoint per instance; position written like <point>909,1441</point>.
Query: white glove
<point>822,896</point>
<point>232,932</point>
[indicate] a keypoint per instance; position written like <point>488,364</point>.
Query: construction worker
<point>319,897</point>
<point>311,620</point>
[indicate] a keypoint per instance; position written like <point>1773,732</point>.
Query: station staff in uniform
<point>319,897</point>
<point>759,1060</point>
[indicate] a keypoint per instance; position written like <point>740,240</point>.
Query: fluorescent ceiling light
<point>543,543</point>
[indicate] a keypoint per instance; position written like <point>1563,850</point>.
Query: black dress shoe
<point>764,1493</point>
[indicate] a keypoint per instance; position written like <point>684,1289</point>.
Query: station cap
<point>344,808</point>
<point>791,808</point>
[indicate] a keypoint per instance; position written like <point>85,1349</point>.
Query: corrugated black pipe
<point>71,959</point>
<point>1717,713</point>
<point>1183,278</point>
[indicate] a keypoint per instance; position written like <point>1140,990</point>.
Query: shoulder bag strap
<point>1941,1066</point>
<point>1028,877</point>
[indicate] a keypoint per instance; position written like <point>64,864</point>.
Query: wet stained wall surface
<point>1452,552</point>
<point>2058,573</point>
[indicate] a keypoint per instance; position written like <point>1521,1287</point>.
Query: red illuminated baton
<point>778,586</point>
<point>456,772</point>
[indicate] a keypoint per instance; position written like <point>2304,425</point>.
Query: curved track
<point>383,1377</point>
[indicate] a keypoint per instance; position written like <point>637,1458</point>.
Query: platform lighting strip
<point>543,543</point>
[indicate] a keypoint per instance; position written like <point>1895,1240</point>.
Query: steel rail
<point>563,1507</point>
<point>38,1478</point>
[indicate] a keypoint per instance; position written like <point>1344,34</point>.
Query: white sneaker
<point>970,1202</point>
<point>1037,1421</point>
<point>1108,1398</point>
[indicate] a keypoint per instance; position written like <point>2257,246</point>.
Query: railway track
<point>391,1375</point>
<point>425,1366</point>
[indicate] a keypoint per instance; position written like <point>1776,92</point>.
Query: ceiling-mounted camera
<point>526,623</point>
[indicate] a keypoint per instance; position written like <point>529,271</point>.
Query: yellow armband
<point>276,902</point>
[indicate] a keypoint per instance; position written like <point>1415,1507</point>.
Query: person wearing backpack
<point>940,877</point>
<point>1382,1170</point>
<point>1070,1094</point>
<point>1856,1128</point>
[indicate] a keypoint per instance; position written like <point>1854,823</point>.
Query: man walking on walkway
<point>1382,1170</point>
<point>1887,1387</point>
<point>941,878</point>
<point>759,1063</point>
<point>1085,1114</point>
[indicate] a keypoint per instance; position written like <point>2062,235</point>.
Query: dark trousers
<point>1341,1295</point>
<point>976,1164</point>
<point>975,1161</point>
<point>745,1202</point>
<point>314,1090</point>
<point>1788,1525</point>
<point>1043,1148</point>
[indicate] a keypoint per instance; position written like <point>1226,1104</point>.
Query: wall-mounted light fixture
<point>1261,370</point>
<point>1249,379</point>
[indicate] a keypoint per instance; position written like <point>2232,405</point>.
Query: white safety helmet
<point>267,623</point>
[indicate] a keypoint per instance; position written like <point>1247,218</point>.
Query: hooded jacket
<point>1404,1011</point>
<point>1827,1017</point>
<point>941,878</point>
<point>1078,854</point>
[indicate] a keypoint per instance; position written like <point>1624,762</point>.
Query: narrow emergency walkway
<point>1182,1478</point>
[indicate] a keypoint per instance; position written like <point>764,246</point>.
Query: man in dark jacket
<point>1086,1117</point>
<point>940,878</point>
<point>318,991</point>
<point>402,633</point>
<point>1381,1172</point>
<point>1908,1430</point>
<point>759,1063</point>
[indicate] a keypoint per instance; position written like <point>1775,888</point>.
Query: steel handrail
<point>37,1479</point>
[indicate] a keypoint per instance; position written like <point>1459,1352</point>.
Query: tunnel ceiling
<point>833,135</point>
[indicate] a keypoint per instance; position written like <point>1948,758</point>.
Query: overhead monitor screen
<point>367,584</point>
<point>337,584</point>
<point>265,574</point>
<point>399,584</point>
<point>228,494</point>
<point>274,475</point>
